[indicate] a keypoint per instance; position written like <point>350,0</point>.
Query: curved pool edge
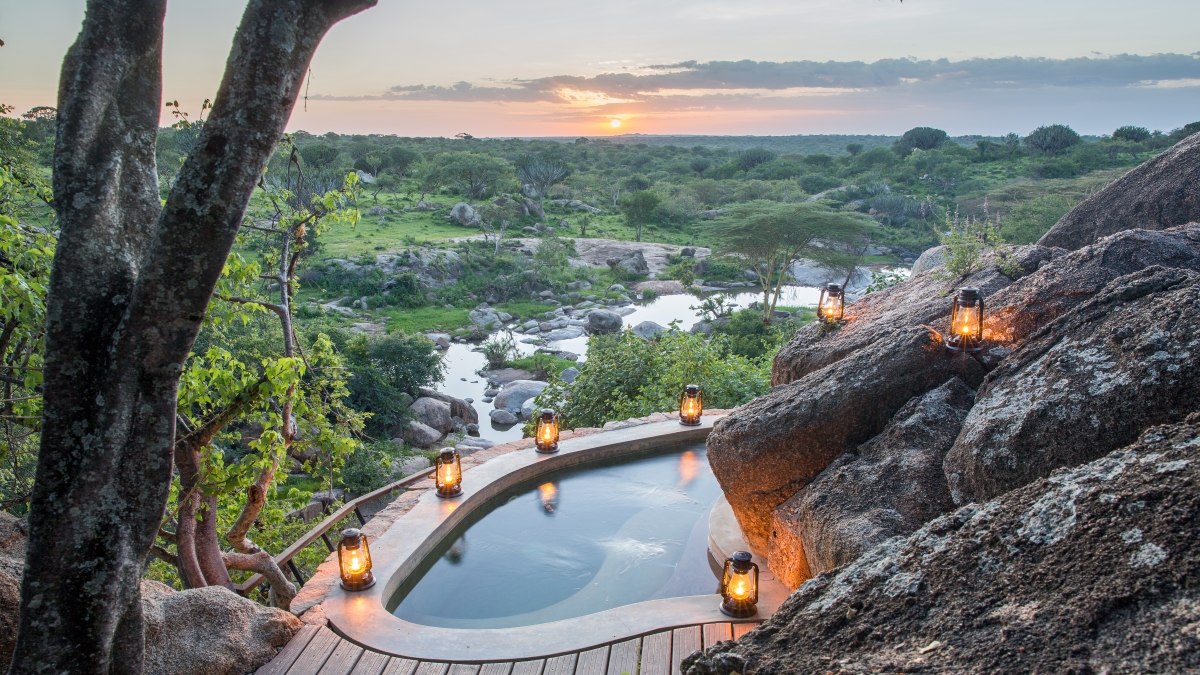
<point>363,618</point>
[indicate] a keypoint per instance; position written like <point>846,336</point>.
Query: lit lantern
<point>691,405</point>
<point>739,586</point>
<point>966,321</point>
<point>546,435</point>
<point>354,560</point>
<point>829,309</point>
<point>449,474</point>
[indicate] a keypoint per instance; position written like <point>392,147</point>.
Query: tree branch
<point>282,590</point>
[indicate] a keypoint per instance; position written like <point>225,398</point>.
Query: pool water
<point>574,542</point>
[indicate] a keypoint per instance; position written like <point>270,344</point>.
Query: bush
<point>1052,140</point>
<point>383,368</point>
<point>923,138</point>
<point>748,159</point>
<point>1029,220</point>
<point>815,182</point>
<point>626,376</point>
<point>368,468</point>
<point>749,337</point>
<point>499,351</point>
<point>1131,134</point>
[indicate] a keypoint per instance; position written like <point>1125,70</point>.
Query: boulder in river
<point>1161,193</point>
<point>503,417</point>
<point>515,393</point>
<point>647,330</point>
<point>603,321</point>
<point>891,485</point>
<point>765,451</point>
<point>432,413</point>
<point>1084,385</point>
<point>421,435</point>
<point>1089,571</point>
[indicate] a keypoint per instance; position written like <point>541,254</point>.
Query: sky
<point>740,67</point>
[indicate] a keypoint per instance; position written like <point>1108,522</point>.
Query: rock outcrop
<point>767,450</point>
<point>432,413</point>
<point>515,393</point>
<point>1067,281</point>
<point>924,299</point>
<point>633,263</point>
<point>1162,193</point>
<point>1090,571</point>
<point>458,407</point>
<point>210,631</point>
<point>890,486</point>
<point>1084,385</point>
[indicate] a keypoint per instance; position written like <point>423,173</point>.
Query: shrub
<point>748,159</point>
<point>1132,134</point>
<point>499,351</point>
<point>1052,140</point>
<point>923,138</point>
<point>815,182</point>
<point>367,468</point>
<point>626,376</point>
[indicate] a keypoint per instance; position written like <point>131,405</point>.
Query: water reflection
<point>689,467</point>
<point>454,555</point>
<point>548,494</point>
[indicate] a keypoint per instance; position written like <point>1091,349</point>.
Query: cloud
<point>798,79</point>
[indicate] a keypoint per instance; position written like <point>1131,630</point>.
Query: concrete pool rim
<point>362,617</point>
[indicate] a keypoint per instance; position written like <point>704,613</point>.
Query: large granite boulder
<point>463,214</point>
<point>633,263</point>
<point>1090,571</point>
<point>421,435</point>
<point>767,450</point>
<point>1084,385</point>
<point>1067,281</point>
<point>931,259</point>
<point>210,631</point>
<point>12,562</point>
<point>925,299</point>
<point>515,393</point>
<point>603,322</point>
<point>458,407</point>
<point>890,486</point>
<point>1163,192</point>
<point>432,413</point>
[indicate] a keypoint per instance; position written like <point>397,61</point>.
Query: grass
<point>423,319</point>
<point>531,364</point>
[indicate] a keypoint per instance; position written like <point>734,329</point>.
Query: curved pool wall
<point>573,542</point>
<point>399,553</point>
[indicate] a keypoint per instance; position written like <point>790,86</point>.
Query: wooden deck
<point>319,651</point>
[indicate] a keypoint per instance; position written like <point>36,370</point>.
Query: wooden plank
<point>290,652</point>
<point>740,629</point>
<point>684,641</point>
<point>371,663</point>
<point>528,667</point>
<point>432,668</point>
<point>716,632</point>
<point>325,525</point>
<point>496,669</point>
<point>592,662</point>
<point>315,654</point>
<point>656,654</point>
<point>342,660</point>
<point>623,657</point>
<point>464,669</point>
<point>560,665</point>
<point>399,666</point>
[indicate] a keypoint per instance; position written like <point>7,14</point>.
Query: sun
<point>615,124</point>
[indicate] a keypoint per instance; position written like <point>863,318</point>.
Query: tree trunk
<point>129,288</point>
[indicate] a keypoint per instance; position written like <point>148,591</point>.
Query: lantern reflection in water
<point>689,468</point>
<point>548,494</point>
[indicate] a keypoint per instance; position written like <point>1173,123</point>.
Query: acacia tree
<point>474,173</point>
<point>638,209</point>
<point>769,236</point>
<point>541,173</point>
<point>129,287</point>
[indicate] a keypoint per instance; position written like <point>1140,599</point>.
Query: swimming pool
<point>571,543</point>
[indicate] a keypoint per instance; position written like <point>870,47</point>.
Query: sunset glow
<point>615,124</point>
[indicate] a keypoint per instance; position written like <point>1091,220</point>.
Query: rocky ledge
<point>1092,570</point>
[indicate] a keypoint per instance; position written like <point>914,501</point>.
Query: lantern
<point>449,474</point>
<point>546,435</point>
<point>829,309</point>
<point>691,405</point>
<point>354,560</point>
<point>739,586</point>
<point>966,321</point>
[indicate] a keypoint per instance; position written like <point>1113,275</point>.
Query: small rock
<point>568,375</point>
<point>503,417</point>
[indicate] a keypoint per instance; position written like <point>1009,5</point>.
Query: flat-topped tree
<point>130,284</point>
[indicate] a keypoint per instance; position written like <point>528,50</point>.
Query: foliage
<point>883,280</point>
<point>748,159</point>
<point>1132,134</point>
<point>626,376</point>
<point>769,236</point>
<point>541,172</point>
<point>474,174</point>
<point>385,367</point>
<point>1027,221</point>
<point>923,138</point>
<point>499,350</point>
<point>749,337</point>
<point>319,155</point>
<point>967,239</point>
<point>638,209</point>
<point>1054,139</point>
